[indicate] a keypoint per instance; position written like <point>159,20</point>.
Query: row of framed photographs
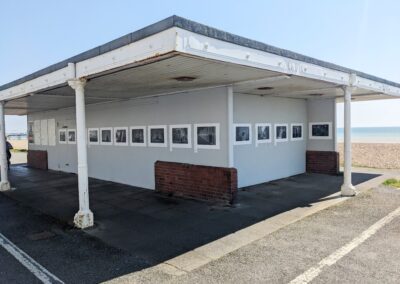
<point>206,135</point>
<point>180,136</point>
<point>243,132</point>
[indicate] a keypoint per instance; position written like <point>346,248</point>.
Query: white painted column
<point>347,187</point>
<point>4,184</point>
<point>230,127</point>
<point>84,217</point>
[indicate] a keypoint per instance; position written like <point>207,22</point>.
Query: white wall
<point>322,110</point>
<point>135,165</point>
<point>269,161</point>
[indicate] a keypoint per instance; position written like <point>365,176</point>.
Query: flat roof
<point>179,22</point>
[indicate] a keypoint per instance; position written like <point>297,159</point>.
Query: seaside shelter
<point>186,109</point>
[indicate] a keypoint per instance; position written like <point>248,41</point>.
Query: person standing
<point>9,147</point>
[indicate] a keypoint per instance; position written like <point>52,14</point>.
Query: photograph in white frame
<point>31,135</point>
<point>207,136</point>
<point>44,137</point>
<point>320,130</point>
<point>137,136</point>
<point>36,131</point>
<point>51,125</point>
<point>106,136</point>
<point>121,136</point>
<point>157,136</point>
<point>242,134</point>
<point>180,136</point>
<point>93,136</point>
<point>263,133</point>
<point>71,136</point>
<point>281,132</point>
<point>297,131</point>
<point>62,136</point>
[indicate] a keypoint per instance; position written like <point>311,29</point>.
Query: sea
<point>372,134</point>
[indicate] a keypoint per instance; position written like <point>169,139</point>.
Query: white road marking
<point>39,271</point>
<point>314,271</point>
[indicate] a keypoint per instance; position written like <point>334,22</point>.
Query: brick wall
<point>37,159</point>
<point>198,182</point>
<point>322,162</point>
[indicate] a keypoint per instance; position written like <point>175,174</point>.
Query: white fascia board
<point>149,47</point>
<point>152,46</point>
<point>363,83</point>
<point>49,80</point>
<point>198,45</point>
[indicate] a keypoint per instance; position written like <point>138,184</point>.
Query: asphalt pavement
<point>70,254</point>
<point>75,256</point>
<point>290,252</point>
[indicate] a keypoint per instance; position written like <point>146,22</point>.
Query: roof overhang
<point>146,62</point>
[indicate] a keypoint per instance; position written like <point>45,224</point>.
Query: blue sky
<point>359,34</point>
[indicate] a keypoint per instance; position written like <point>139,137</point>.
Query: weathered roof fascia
<point>176,21</point>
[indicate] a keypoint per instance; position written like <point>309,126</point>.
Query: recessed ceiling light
<point>184,78</point>
<point>265,88</point>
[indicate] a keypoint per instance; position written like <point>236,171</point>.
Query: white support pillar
<point>230,127</point>
<point>347,188</point>
<point>4,184</point>
<point>84,217</point>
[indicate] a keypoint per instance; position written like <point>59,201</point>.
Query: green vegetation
<point>392,183</point>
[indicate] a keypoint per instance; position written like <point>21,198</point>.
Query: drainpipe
<point>230,127</point>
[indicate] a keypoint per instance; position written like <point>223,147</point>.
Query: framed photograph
<point>62,136</point>
<point>93,136</point>
<point>138,136</point>
<point>44,137</point>
<point>31,136</point>
<point>36,132</point>
<point>71,136</point>
<point>296,131</point>
<point>106,136</point>
<point>281,132</point>
<point>263,133</point>
<point>320,130</point>
<point>180,136</point>
<point>242,134</point>
<point>121,136</point>
<point>51,125</point>
<point>206,136</point>
<point>157,136</point>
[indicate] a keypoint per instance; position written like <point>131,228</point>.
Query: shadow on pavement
<point>153,227</point>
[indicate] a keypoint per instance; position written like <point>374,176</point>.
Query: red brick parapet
<point>37,159</point>
<point>197,182</point>
<point>322,162</point>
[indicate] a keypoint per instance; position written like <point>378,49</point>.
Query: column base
<point>348,190</point>
<point>83,219</point>
<point>5,186</point>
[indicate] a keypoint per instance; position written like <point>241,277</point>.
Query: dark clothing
<point>9,147</point>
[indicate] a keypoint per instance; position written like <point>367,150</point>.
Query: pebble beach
<point>374,155</point>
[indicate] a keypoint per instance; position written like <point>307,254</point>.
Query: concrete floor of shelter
<point>155,227</point>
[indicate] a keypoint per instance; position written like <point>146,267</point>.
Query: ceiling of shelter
<point>160,78</point>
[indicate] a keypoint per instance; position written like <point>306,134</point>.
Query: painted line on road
<point>35,268</point>
<point>330,260</point>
